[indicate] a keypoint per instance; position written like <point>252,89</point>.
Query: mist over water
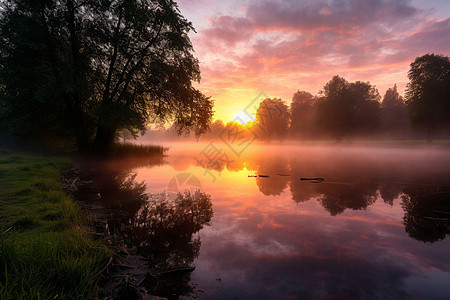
<point>376,227</point>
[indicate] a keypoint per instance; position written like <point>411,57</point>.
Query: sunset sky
<point>280,46</point>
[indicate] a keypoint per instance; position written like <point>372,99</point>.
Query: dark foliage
<point>428,93</point>
<point>348,108</point>
<point>303,108</point>
<point>84,70</point>
<point>394,120</point>
<point>272,119</point>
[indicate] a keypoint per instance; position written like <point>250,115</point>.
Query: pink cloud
<point>281,46</point>
<point>229,29</point>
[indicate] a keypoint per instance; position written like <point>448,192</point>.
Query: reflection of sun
<point>242,117</point>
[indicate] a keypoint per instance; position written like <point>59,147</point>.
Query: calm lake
<point>375,227</point>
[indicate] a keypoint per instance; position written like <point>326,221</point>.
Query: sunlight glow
<point>242,117</point>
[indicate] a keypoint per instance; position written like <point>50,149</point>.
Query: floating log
<point>263,175</point>
<point>252,176</point>
<point>313,179</point>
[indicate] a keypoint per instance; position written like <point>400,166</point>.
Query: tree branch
<point>134,68</point>
<point>106,94</point>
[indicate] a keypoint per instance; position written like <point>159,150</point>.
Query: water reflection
<point>336,198</point>
<point>355,179</point>
<point>164,232</point>
<point>160,227</point>
<point>389,192</point>
<point>274,185</point>
<point>375,228</point>
<point>427,213</point>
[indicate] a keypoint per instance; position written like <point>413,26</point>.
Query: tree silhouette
<point>215,130</point>
<point>367,106</point>
<point>88,69</point>
<point>302,115</point>
<point>348,108</point>
<point>335,114</point>
<point>272,119</point>
<point>394,120</point>
<point>428,94</point>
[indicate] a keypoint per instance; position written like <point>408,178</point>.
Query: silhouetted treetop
<point>272,119</point>
<point>393,113</point>
<point>347,108</point>
<point>427,93</point>
<point>303,109</point>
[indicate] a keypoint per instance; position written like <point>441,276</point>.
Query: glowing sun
<point>242,117</point>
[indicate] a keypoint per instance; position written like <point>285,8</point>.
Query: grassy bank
<point>45,250</point>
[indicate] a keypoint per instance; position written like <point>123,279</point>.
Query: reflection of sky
<point>269,247</point>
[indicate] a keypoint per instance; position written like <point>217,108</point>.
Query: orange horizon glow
<point>248,47</point>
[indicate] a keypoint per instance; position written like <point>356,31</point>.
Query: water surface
<point>376,228</point>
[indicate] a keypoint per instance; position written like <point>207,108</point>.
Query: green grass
<point>45,250</point>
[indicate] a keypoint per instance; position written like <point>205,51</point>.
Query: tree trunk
<point>104,139</point>
<point>76,107</point>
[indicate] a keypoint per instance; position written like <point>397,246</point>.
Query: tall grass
<point>128,150</point>
<point>45,250</point>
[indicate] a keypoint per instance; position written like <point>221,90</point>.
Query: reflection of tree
<point>117,190</point>
<point>427,213</point>
<point>336,198</point>
<point>303,191</point>
<point>124,199</point>
<point>275,184</point>
<point>389,192</point>
<point>161,230</point>
<point>306,165</point>
<point>166,229</point>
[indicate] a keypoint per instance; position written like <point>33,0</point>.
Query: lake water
<point>376,227</point>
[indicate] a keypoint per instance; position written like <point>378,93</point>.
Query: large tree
<point>335,114</point>
<point>394,121</point>
<point>302,115</point>
<point>428,93</point>
<point>272,119</point>
<point>366,100</point>
<point>348,108</point>
<point>89,69</point>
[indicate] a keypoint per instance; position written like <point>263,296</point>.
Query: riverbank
<point>46,250</point>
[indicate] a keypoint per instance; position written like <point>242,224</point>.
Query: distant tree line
<point>355,109</point>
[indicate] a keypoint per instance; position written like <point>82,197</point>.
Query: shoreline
<point>122,275</point>
<point>47,250</point>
